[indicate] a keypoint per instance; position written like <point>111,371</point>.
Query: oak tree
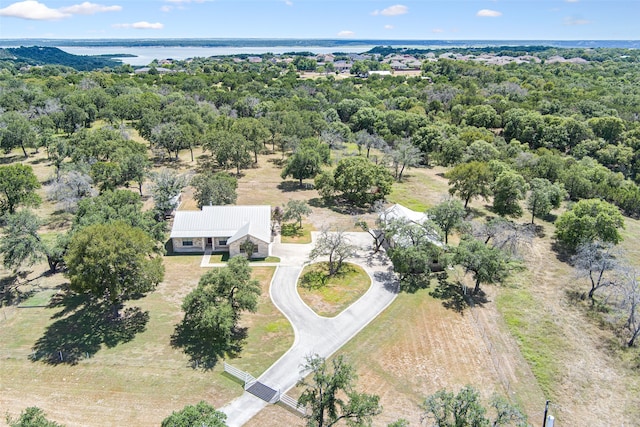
<point>200,415</point>
<point>330,394</point>
<point>113,262</point>
<point>589,220</point>
<point>17,187</point>
<point>470,180</point>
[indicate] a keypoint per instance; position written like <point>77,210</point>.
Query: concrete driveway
<point>315,334</point>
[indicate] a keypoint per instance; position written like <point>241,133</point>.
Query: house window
<point>187,243</point>
<point>222,242</point>
<point>242,249</point>
<point>255,249</point>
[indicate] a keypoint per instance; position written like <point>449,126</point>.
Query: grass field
<point>545,344</point>
<point>137,382</point>
<point>329,296</point>
<point>293,234</point>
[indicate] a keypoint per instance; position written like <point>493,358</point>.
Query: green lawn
<point>143,368</point>
<point>329,296</point>
<point>541,341</point>
<point>292,234</point>
<point>222,257</point>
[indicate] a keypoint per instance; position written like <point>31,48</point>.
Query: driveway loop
<point>314,334</point>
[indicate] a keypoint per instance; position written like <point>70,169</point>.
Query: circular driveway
<point>315,334</point>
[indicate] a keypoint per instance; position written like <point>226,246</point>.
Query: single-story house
<point>398,212</point>
<point>420,220</point>
<point>224,229</point>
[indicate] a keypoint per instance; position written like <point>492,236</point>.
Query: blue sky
<point>354,19</point>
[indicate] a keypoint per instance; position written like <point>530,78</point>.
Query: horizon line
<point>304,38</point>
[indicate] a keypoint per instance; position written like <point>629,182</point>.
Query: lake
<point>145,54</point>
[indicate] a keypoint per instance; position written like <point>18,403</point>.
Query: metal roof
<point>400,212</point>
<point>224,221</point>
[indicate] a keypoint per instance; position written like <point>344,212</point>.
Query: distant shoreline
<point>303,43</point>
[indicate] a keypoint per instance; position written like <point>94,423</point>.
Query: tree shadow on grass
<point>9,158</point>
<point>455,296</point>
<point>10,292</point>
<point>204,352</point>
<point>83,326</point>
<point>415,282</point>
<point>563,254</point>
<point>293,186</point>
<point>451,294</point>
<point>339,205</point>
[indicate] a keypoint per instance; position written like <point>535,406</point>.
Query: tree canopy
<point>296,210</point>
<point>32,417</point>
<point>212,311</point>
<point>17,187</point>
<point>200,415</point>
<point>113,262</point>
<point>331,396</point>
<point>589,220</point>
<point>543,197</point>
<point>215,189</point>
<point>508,189</point>
<point>447,409</point>
<point>118,205</point>
<point>448,215</point>
<point>470,180</point>
<point>487,264</point>
<point>357,180</point>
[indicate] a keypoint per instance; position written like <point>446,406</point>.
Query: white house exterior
<point>223,229</point>
<point>401,213</point>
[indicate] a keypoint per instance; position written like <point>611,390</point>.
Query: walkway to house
<point>315,334</point>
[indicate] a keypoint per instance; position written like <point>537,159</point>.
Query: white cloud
<point>572,1</point>
<point>166,8</point>
<point>437,30</point>
<point>394,10</point>
<point>288,2</point>
<point>34,10</point>
<point>142,25</point>
<point>346,33</point>
<point>488,13</point>
<point>388,27</point>
<point>87,8</point>
<point>570,21</point>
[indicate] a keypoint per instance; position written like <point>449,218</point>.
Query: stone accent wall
<point>263,248</point>
<point>179,246</point>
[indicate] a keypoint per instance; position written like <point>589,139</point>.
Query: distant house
<point>420,226</point>
<point>160,70</point>
<point>328,57</point>
<point>378,73</point>
<point>223,229</point>
<point>397,65</point>
<point>398,212</point>
<point>342,66</point>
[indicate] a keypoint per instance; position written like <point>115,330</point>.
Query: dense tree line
<point>524,137</point>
